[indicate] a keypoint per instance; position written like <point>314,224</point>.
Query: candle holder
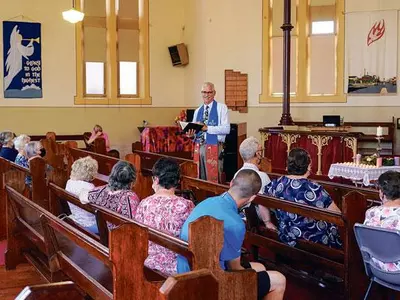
<point>379,147</point>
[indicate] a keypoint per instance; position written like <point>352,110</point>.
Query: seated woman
<point>117,195</point>
<point>7,150</point>
<point>83,172</point>
<point>296,187</point>
<point>98,133</point>
<point>388,214</point>
<point>32,150</point>
<point>20,143</point>
<point>164,211</point>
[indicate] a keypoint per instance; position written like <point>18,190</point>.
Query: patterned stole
<point>211,141</point>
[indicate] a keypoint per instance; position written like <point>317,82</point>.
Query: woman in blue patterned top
<point>19,143</point>
<point>296,187</point>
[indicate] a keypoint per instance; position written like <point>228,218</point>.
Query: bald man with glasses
<point>210,141</point>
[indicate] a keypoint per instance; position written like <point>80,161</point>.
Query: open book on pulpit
<point>186,126</point>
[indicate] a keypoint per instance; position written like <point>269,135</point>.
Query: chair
<point>382,244</point>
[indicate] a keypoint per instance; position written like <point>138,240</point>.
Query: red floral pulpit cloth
<point>165,139</point>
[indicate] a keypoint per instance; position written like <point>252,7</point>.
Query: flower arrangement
<point>371,160</point>
<point>181,116</point>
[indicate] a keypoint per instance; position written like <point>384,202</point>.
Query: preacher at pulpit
<point>210,141</point>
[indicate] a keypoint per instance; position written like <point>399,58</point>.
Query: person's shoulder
<point>220,104</point>
<point>263,175</point>
<point>235,224</point>
<point>183,201</point>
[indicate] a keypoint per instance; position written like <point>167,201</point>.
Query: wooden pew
<point>137,146</point>
<point>15,175</point>
<point>345,263</point>
<point>144,161</point>
<point>61,291</point>
<point>202,250</point>
<point>95,268</point>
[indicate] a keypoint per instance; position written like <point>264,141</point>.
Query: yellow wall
<point>220,34</point>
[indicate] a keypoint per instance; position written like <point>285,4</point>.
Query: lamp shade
<point>73,15</point>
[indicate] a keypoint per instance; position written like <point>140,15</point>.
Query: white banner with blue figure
<point>22,60</point>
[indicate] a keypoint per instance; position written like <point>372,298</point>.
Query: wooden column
<point>286,118</point>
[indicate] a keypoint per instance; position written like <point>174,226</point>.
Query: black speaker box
<point>230,165</point>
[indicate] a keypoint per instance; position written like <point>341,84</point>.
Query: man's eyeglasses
<point>207,93</point>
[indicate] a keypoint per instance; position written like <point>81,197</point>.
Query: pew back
<point>89,263</point>
<point>61,291</point>
<point>202,250</point>
<point>344,263</point>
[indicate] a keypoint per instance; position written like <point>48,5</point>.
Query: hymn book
<point>186,126</point>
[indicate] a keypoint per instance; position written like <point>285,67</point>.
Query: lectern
<point>232,159</point>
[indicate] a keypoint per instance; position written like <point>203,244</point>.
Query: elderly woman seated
<point>388,214</point>
<point>164,211</point>
<point>32,150</point>
<point>7,150</point>
<point>20,143</point>
<point>296,187</point>
<point>83,171</point>
<point>117,195</point>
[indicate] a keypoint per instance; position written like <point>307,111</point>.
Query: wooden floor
<point>13,282</point>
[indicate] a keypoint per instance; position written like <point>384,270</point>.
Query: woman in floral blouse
<point>117,195</point>
<point>296,187</point>
<point>165,212</point>
<point>388,214</point>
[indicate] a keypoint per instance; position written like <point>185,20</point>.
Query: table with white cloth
<point>364,174</point>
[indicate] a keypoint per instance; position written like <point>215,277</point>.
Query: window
<point>317,56</point>
<point>323,27</point>
<point>127,78</point>
<point>94,78</point>
<point>112,66</point>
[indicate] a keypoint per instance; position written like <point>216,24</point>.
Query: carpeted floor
<point>3,245</point>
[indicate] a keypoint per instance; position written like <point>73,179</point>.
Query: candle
<point>358,159</point>
<point>379,131</point>
<point>379,162</point>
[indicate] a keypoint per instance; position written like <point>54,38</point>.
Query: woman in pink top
<point>98,133</point>
<point>165,212</point>
<point>388,214</point>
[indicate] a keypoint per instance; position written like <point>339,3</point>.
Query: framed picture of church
<point>22,60</point>
<point>371,52</point>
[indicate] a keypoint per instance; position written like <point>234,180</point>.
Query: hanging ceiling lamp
<point>73,15</point>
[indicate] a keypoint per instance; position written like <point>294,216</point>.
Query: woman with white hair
<point>19,143</point>
<point>8,151</point>
<point>32,150</point>
<point>83,171</point>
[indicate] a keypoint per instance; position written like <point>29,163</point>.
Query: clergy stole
<point>211,142</point>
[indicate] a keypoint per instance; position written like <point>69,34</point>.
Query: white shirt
<point>264,177</point>
<point>76,187</point>
<point>223,128</point>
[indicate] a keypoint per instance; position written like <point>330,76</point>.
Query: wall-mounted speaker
<point>179,55</point>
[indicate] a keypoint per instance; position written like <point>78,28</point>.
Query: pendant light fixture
<point>73,15</point>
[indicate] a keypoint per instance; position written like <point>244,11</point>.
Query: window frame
<point>112,96</point>
<point>303,25</point>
